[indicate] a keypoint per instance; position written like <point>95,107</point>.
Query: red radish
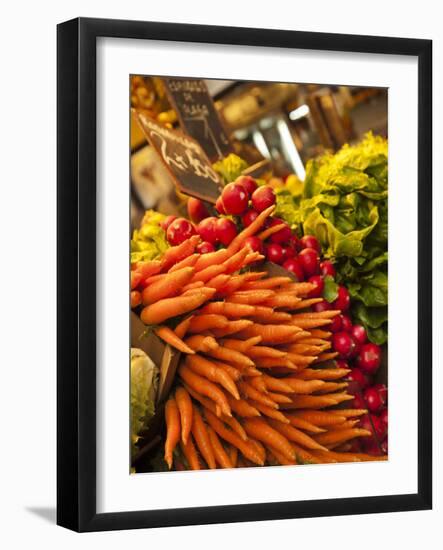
<point>321,306</point>
<point>263,198</point>
<point>288,252</point>
<point>358,402</point>
<point>294,242</point>
<point>235,199</point>
<point>197,210</point>
<point>384,417</point>
<point>356,377</point>
<point>343,300</point>
<point>206,230</point>
<point>372,423</point>
<point>167,222</point>
<point>248,217</point>
<point>373,400</point>
<point>281,236</point>
<point>205,247</point>
<point>369,358</point>
<point>346,322</point>
<point>316,280</point>
<point>327,268</point>
<point>293,265</point>
<point>358,332</point>
<point>219,206</point>
<point>225,230</point>
<point>382,391</point>
<point>309,261</point>
<point>343,344</point>
<point>342,364</point>
<point>384,445</point>
<point>309,241</point>
<point>274,253</point>
<point>371,446</point>
<point>255,244</point>
<point>179,230</point>
<point>336,325</point>
<point>248,183</point>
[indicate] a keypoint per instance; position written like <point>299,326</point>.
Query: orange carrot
<point>186,262</point>
<point>321,418</point>
<point>238,241</point>
<point>248,451</point>
<point>205,368</point>
<point>236,261</point>
<point>233,455</point>
<point>279,398</point>
<point>212,258</point>
<point>135,279</point>
<point>293,434</point>
<point>190,453</point>
<point>303,386</point>
<point>327,314</point>
<point>234,373</point>
<point>241,345</point>
<point>208,273</point>
<point>232,327</point>
<point>200,434</point>
<point>279,457</point>
<point>269,411</point>
<point>286,301</point>
<point>218,281</point>
<point>192,286</point>
<point>228,309</point>
<point>349,412</point>
<point>318,333</point>
<point>172,417</point>
<point>250,296</point>
<point>330,387</point>
<point>184,405</point>
<point>199,342</point>
<point>181,329</point>
<point>310,323</point>
<point>221,457</point>
<point>136,298</point>
<point>242,408</point>
<point>146,269</point>
<point>310,402</point>
<point>303,456</point>
<point>271,362</point>
<point>301,359</point>
<point>205,387</point>
<point>303,424</point>
<point>271,334</point>
<point>322,374</point>
<point>340,436</point>
<point>251,393</point>
<point>270,231</point>
<point>325,357</point>
<point>210,405</point>
<point>200,323</point>
<point>233,284</point>
<point>171,338</point>
<point>261,430</point>
<point>178,253</point>
<point>277,384</point>
<point>258,383</point>
<point>269,283</point>
<point>231,356</point>
<point>171,307</point>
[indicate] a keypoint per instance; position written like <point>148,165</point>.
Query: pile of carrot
<point>257,383</point>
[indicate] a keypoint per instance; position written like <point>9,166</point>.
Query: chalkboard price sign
<point>197,115</point>
<point>184,158</point>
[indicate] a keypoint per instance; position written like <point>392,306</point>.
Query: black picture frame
<point>76,280</point>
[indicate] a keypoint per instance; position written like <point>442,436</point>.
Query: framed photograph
<point>237,341</point>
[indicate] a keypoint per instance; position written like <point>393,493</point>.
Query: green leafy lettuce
<point>344,203</point>
<point>230,167</point>
<point>149,242</point>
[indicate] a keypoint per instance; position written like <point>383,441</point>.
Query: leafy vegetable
<point>230,167</point>
<point>144,379</point>
<point>330,290</point>
<point>344,203</point>
<point>149,241</point>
